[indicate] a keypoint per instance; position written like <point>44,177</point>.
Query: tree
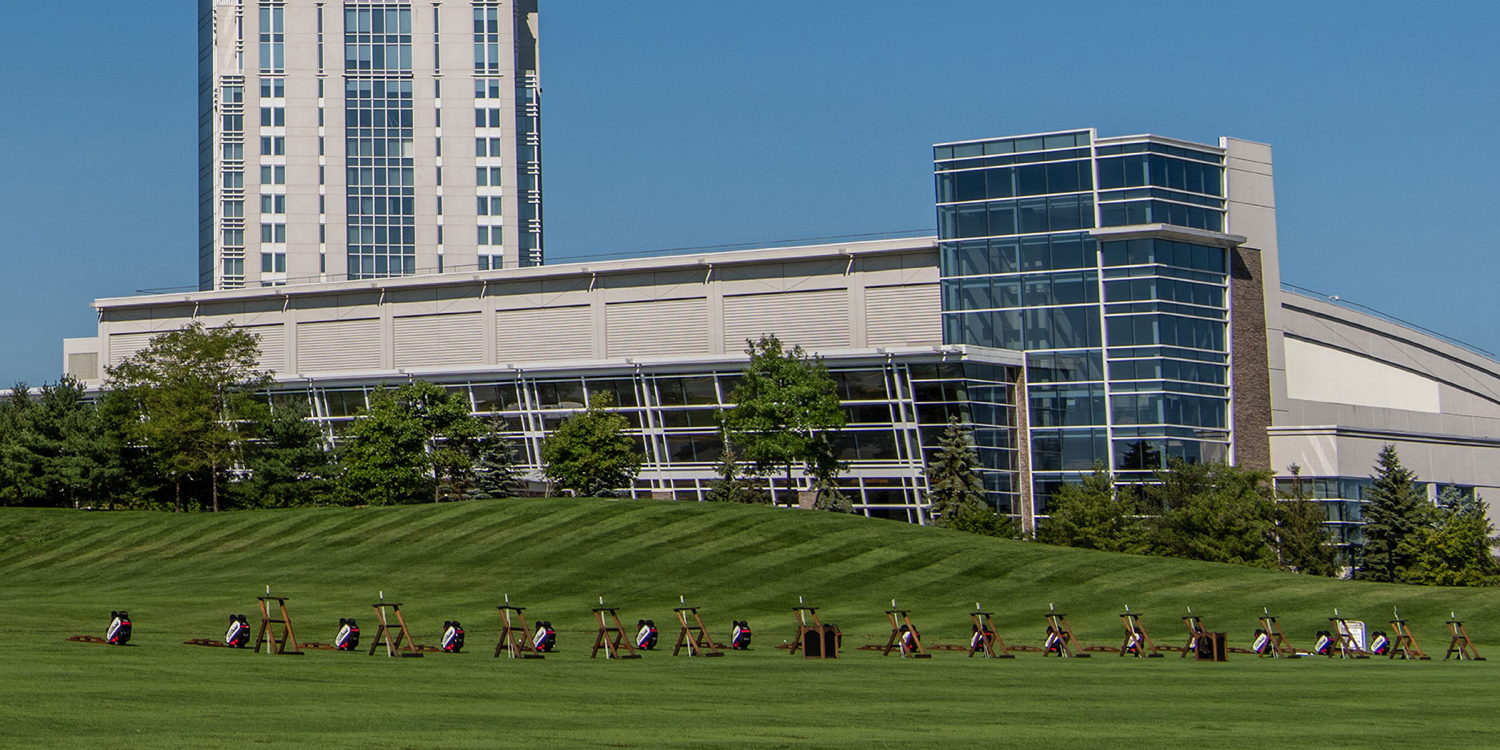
<point>410,442</point>
<point>1302,541</point>
<point>287,461</point>
<point>496,467</point>
<point>953,486</point>
<point>1397,507</point>
<point>590,453</point>
<point>1213,512</point>
<point>1456,548</point>
<point>185,391</point>
<point>1093,515</point>
<point>787,413</point>
<point>731,486</point>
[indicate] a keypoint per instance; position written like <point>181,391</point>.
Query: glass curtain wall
<point>380,156</point>
<point>1127,357</point>
<point>896,416</point>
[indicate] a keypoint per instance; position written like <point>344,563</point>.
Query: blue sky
<point>670,124</point>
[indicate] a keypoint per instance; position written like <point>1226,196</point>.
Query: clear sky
<point>692,123</point>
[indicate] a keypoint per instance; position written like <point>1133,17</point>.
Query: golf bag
<point>453,637</point>
<point>739,637</point>
<point>645,637</point>
<point>1262,643</point>
<point>348,637</point>
<point>1379,644</point>
<point>119,628</point>
<point>545,638</point>
<point>1324,645</point>
<point>1054,642</point>
<point>908,639</point>
<point>976,641</point>
<point>238,634</point>
<point>1133,642</point>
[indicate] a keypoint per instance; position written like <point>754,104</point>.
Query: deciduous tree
<point>786,413</point>
<point>1093,515</point>
<point>590,453</point>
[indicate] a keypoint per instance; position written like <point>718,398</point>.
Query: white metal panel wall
<point>544,333</point>
<point>272,347</point>
<point>338,345</point>
<point>815,320</point>
<point>440,340</point>
<point>122,345</point>
<point>656,329</point>
<point>903,315</point>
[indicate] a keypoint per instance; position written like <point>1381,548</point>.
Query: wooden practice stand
<point>1461,645</point>
<point>694,636</point>
<point>1068,648</point>
<point>276,645</point>
<point>611,638</point>
<point>1343,640</point>
<point>513,634</point>
<point>990,643</point>
<point>1146,649</point>
<point>1404,644</point>
<point>899,617</point>
<point>383,633</point>
<point>1280,647</point>
<point>815,630</point>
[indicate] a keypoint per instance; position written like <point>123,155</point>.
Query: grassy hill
<point>61,572</point>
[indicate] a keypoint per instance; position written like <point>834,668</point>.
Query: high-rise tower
<point>358,139</point>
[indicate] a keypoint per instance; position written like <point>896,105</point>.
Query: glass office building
<point>1106,262</point>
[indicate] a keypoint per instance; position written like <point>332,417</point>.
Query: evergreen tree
<point>787,412</point>
<point>1396,508</point>
<point>590,454</point>
<point>731,486</point>
<point>1093,515</point>
<point>1456,548</point>
<point>1302,539</point>
<point>1213,512</point>
<point>496,472</point>
<point>953,486</point>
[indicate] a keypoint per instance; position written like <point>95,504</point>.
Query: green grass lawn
<point>62,572</point>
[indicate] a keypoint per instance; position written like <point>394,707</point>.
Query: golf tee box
<point>514,635</point>
<point>986,639</point>
<point>275,644</point>
<point>904,636</point>
<point>694,636</point>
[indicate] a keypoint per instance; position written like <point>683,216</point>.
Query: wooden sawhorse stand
<point>513,634</point>
<point>1060,638</point>
<point>1461,644</point>
<point>1280,648</point>
<point>611,638</point>
<point>986,640</point>
<point>1343,640</point>
<point>694,636</point>
<point>393,646</point>
<point>276,645</point>
<point>900,627</point>
<point>816,633</point>
<point>1405,644</point>
<point>1136,641</point>
<point>1196,631</point>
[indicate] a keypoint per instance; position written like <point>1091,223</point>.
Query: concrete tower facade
<point>359,140</point>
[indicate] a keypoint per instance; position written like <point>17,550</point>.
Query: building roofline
<point>556,270</point>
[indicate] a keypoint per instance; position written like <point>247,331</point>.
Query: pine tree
<point>1302,539</point>
<point>731,485</point>
<point>953,486</point>
<point>1397,508</point>
<point>496,473</point>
